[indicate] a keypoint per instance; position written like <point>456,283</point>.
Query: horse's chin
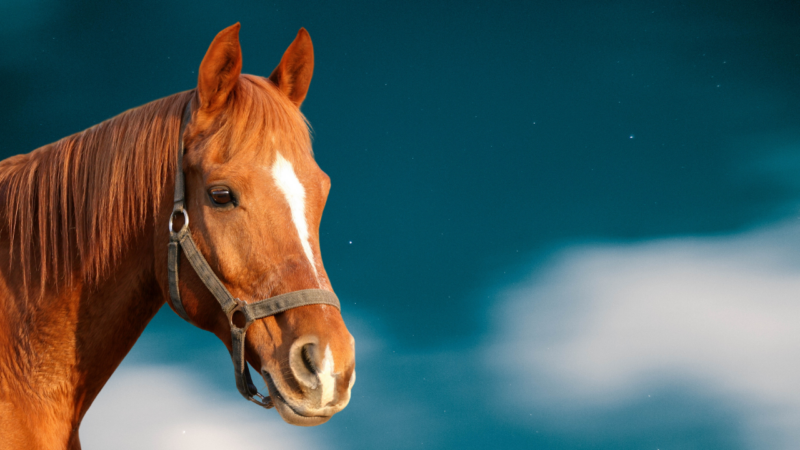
<point>288,414</point>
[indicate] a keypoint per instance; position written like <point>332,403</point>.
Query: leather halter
<point>250,311</point>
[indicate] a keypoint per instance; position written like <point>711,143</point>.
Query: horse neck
<point>57,350</point>
<point>66,346</point>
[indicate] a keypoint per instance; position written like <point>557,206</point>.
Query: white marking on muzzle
<point>352,380</point>
<point>287,182</point>
<point>326,377</point>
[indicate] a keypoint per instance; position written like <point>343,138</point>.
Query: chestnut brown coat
<point>83,246</point>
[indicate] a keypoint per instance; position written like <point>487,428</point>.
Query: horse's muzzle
<point>320,391</point>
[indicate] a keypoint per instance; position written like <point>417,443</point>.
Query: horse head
<point>255,196</point>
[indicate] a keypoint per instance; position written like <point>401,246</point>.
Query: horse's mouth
<point>287,411</point>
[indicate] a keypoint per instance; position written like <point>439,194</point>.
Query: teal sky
<point>479,150</point>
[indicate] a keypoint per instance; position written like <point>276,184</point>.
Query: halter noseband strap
<point>250,311</point>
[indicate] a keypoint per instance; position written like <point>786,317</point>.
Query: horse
<point>85,227</point>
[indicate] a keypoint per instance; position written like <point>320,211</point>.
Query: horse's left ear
<point>293,74</point>
<point>220,69</point>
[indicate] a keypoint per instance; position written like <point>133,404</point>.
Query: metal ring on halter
<point>185,220</point>
<point>240,306</point>
<point>264,402</point>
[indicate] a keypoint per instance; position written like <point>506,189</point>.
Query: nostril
<point>304,361</point>
<point>308,360</point>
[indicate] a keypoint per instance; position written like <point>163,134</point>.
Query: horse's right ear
<point>293,74</point>
<point>220,70</point>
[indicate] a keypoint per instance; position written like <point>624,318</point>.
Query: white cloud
<point>602,325</point>
<point>155,407</point>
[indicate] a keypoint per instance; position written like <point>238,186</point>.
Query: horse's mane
<point>78,202</point>
<point>86,194</point>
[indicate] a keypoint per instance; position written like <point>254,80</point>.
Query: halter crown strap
<point>173,255</point>
<point>250,311</point>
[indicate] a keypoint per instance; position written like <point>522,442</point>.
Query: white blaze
<point>326,377</point>
<point>287,182</point>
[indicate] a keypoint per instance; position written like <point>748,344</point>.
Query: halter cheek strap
<point>250,311</point>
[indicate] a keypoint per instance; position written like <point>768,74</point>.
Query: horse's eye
<point>220,195</point>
